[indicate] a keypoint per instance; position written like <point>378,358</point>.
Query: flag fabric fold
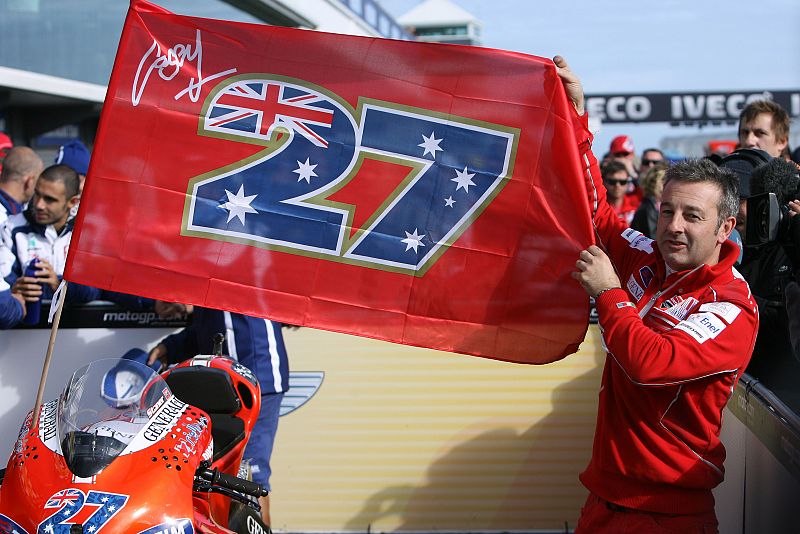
<point>419,193</point>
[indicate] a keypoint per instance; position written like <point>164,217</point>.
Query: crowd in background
<point>769,261</point>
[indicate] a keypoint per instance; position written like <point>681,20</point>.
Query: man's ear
<point>725,229</point>
<point>73,201</point>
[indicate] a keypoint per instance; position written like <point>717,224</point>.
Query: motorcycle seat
<point>212,391</point>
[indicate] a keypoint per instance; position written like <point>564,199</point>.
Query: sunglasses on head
<point>648,162</point>
<point>617,182</point>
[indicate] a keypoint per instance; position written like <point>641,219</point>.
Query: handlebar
<point>216,478</point>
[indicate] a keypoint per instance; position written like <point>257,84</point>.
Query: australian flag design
<point>313,144</point>
<point>309,139</point>
<point>255,108</point>
<point>68,497</point>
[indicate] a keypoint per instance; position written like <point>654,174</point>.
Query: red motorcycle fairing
<point>41,494</point>
<point>147,486</point>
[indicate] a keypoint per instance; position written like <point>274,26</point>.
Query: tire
<point>244,520</point>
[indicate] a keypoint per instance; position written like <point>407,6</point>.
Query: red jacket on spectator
<point>677,344</point>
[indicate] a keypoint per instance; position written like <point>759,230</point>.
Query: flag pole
<point>48,356</point>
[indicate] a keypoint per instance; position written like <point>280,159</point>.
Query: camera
<point>767,220</point>
<point>768,215</point>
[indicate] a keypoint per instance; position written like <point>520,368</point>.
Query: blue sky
<point>631,46</point>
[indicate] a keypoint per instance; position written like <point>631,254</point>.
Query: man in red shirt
<point>679,324</point>
<point>616,180</point>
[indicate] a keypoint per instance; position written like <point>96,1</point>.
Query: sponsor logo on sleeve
<point>702,326</point>
<point>635,289</point>
<point>726,310</point>
<point>638,240</point>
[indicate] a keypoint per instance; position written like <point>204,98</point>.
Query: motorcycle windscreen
<point>103,407</point>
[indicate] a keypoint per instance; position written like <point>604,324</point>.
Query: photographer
<point>771,266</point>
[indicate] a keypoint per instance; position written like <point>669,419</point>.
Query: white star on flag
<point>305,170</point>
<point>238,205</point>
<point>92,528</point>
<point>413,240</point>
<point>431,145</point>
<point>449,201</point>
<point>463,179</point>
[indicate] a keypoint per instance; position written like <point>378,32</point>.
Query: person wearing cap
<point>763,124</point>
<point>76,156</point>
<point>622,150</point>
<point>678,324</point>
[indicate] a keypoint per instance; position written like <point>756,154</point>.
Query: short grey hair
<point>704,170</point>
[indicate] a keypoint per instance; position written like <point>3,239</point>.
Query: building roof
<point>437,13</point>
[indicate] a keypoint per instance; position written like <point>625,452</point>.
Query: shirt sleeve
<point>615,236</point>
<point>10,309</point>
<point>717,338</point>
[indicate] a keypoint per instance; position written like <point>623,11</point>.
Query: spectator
<point>678,338</point>
<point>650,157</point>
<point>770,268</point>
<point>764,124</point>
<point>43,231</point>
<point>17,179</point>
<point>616,180</point>
<point>652,182</point>
<point>255,343</point>
<point>622,150</point>
<point>76,156</point>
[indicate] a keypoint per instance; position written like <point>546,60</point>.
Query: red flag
<point>419,193</point>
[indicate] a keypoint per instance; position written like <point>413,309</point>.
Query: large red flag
<point>420,193</point>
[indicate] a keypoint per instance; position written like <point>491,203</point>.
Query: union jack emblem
<point>254,108</point>
<point>63,497</point>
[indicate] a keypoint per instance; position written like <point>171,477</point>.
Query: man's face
<point>649,159</point>
<point>759,134</point>
<point>687,232</point>
<point>50,203</point>
<point>616,185</point>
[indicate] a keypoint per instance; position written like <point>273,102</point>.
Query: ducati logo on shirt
<point>678,306</point>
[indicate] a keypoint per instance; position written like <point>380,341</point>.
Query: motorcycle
<point>127,450</point>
